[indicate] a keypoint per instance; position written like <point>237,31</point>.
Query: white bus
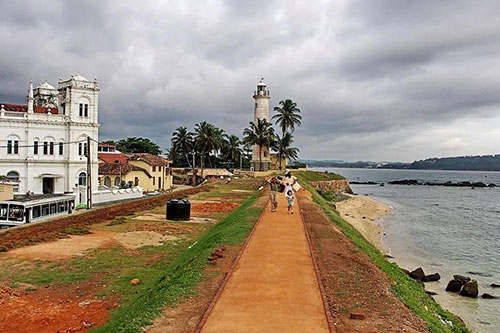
<point>35,208</point>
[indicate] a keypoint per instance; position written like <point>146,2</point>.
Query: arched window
<point>107,181</point>
<point>117,181</point>
<point>82,179</point>
<point>14,177</point>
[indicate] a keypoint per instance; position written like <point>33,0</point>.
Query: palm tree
<point>287,115</point>
<point>260,134</point>
<point>208,138</point>
<point>231,149</point>
<point>183,142</point>
<point>283,147</point>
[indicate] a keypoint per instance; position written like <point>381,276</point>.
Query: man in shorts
<point>274,185</point>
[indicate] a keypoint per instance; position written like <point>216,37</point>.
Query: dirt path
<point>352,283</point>
<point>273,287</point>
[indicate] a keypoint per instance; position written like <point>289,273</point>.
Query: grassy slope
<point>310,176</point>
<point>409,291</point>
<point>182,275</point>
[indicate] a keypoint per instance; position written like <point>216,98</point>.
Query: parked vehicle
<point>35,208</point>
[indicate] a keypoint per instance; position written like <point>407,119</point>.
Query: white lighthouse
<point>261,111</point>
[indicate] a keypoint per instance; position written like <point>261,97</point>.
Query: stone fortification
<point>341,185</point>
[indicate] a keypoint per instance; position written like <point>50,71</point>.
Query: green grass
<point>166,285</point>
<point>408,290</point>
<point>311,176</point>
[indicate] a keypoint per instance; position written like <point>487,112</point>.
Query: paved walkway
<point>273,287</point>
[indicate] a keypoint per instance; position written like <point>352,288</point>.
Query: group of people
<point>287,185</point>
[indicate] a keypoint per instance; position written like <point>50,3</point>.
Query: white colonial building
<point>43,144</point>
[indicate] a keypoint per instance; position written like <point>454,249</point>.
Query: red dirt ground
<point>213,207</point>
<point>352,283</point>
<point>48,311</point>
<point>60,228</point>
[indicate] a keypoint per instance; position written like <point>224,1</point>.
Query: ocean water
<point>449,230</point>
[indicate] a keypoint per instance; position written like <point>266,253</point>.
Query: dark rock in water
<point>461,278</point>
<point>488,296</point>
<point>455,285</point>
<point>390,257</point>
<point>492,185</point>
<point>470,289</point>
<point>418,274</point>
<point>363,183</point>
<point>431,277</point>
<point>430,293</point>
<point>494,285</point>
<point>404,182</point>
<point>406,271</point>
<point>480,274</point>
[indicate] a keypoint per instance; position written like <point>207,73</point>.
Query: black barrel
<point>178,210</point>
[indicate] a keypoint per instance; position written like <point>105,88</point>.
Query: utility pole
<point>194,168</point>
<point>89,175</point>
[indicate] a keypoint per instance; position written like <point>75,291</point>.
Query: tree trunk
<point>260,157</point>
<point>202,163</point>
<point>279,155</point>
<point>187,159</point>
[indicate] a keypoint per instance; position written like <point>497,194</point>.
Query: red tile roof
<point>150,159</point>
<point>113,157</point>
<point>114,169</point>
<point>107,145</point>
<point>24,108</point>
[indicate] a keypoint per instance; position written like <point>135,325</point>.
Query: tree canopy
<point>138,145</point>
<point>287,115</point>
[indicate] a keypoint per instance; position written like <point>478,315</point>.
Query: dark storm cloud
<point>382,80</point>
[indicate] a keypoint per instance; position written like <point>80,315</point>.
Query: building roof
<point>109,145</point>
<point>78,77</point>
<point>113,157</point>
<point>46,85</point>
<point>150,159</point>
<point>114,169</point>
<point>24,108</point>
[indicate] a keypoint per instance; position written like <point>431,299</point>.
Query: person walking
<point>289,181</point>
<point>289,197</point>
<point>274,185</point>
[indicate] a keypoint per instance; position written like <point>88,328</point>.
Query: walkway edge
<point>204,319</point>
<point>326,307</point>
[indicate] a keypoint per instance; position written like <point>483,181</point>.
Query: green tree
<point>138,145</point>
<point>173,155</point>
<point>288,115</point>
<point>260,134</point>
<point>284,149</point>
<point>183,142</point>
<point>231,149</point>
<point>208,138</point>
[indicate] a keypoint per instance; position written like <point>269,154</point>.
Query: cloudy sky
<point>376,80</point>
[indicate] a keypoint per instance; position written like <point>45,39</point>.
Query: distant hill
<point>469,163</point>
<point>477,163</point>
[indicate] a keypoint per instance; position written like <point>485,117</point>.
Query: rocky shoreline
<point>418,182</point>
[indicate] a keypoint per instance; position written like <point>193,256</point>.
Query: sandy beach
<point>364,213</point>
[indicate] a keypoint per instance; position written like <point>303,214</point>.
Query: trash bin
<point>178,210</point>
